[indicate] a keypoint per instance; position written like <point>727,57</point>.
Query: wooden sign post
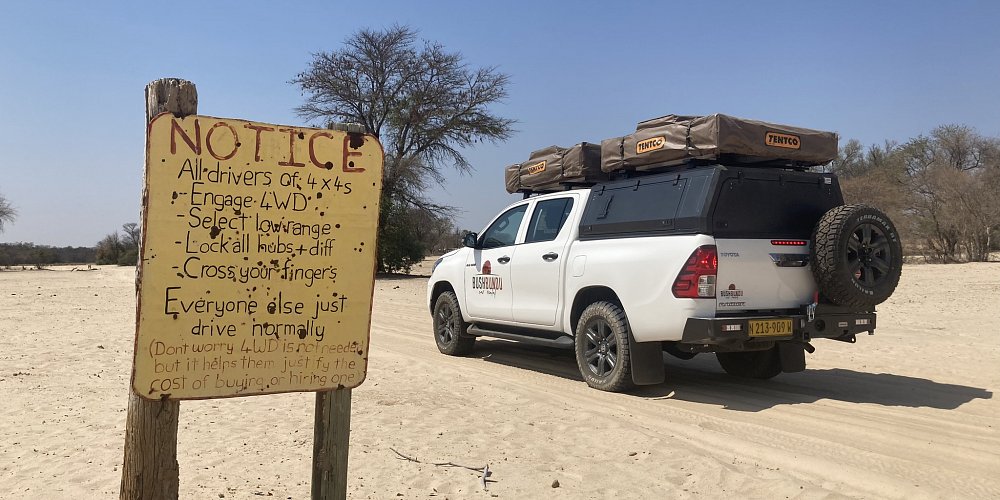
<point>256,271</point>
<point>150,469</point>
<point>330,443</point>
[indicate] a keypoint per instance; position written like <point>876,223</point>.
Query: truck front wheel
<point>602,347</point>
<point>449,328</point>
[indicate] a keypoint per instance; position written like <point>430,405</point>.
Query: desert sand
<point>907,413</point>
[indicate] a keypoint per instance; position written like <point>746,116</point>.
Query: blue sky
<point>72,76</point>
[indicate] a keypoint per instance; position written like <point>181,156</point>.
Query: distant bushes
<point>940,190</point>
<point>120,248</point>
<point>30,254</point>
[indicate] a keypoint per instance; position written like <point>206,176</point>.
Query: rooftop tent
<point>674,139</point>
<point>552,168</point>
<point>612,154</point>
<point>512,177</point>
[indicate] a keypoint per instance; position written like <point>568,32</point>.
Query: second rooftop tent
<point>553,168</point>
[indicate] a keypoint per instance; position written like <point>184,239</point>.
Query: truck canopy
<point>721,201</point>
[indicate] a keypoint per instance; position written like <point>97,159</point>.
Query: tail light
<point>697,278</point>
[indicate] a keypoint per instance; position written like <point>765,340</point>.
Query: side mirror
<point>470,240</point>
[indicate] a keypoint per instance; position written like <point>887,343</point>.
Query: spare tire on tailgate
<point>856,256</point>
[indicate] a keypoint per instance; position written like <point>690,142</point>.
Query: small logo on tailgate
<point>779,140</point>
<point>729,295</point>
<point>732,292</point>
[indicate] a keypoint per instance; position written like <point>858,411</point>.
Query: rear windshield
<point>772,204</point>
<point>725,202</point>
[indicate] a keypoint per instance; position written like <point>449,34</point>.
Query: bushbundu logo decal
<point>486,283</point>
<point>732,293</point>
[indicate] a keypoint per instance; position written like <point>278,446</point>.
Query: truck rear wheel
<point>602,347</point>
<point>857,257</point>
<point>449,328</point>
<point>752,364</point>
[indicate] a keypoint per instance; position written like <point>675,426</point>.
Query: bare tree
<point>130,235</point>
<point>109,249</point>
<point>425,105</point>
<point>850,160</point>
<point>952,182</point>
<point>962,148</point>
<point>7,212</point>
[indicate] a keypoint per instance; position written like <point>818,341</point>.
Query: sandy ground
<point>907,413</point>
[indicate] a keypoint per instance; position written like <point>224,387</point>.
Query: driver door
<point>488,291</point>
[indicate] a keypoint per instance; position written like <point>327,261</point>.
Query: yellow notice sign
<point>258,258</point>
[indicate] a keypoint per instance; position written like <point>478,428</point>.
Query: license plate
<point>770,327</point>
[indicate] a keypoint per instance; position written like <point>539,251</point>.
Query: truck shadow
<point>701,380</point>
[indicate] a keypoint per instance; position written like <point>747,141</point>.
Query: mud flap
<point>793,357</point>
<point>647,362</point>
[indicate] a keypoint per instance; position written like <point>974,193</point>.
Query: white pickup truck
<point>748,263</point>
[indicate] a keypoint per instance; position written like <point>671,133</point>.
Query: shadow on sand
<point>400,277</point>
<point>701,380</point>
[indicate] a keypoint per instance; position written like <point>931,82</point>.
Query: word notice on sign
<point>258,258</point>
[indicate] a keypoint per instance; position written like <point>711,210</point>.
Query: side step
<point>563,342</point>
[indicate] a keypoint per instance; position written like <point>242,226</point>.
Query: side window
<point>503,231</point>
<point>547,219</point>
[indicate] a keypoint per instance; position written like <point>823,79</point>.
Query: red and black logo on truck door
<point>487,283</point>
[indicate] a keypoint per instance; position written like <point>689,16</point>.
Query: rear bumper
<point>732,333</point>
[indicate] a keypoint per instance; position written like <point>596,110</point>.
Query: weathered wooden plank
<point>330,444</point>
<point>150,469</point>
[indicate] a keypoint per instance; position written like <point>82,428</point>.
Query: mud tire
<point>450,331</point>
<point>602,347</point>
<point>857,256</point>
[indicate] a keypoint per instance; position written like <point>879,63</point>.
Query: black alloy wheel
<point>868,255</point>
<point>450,330</point>
<point>602,347</point>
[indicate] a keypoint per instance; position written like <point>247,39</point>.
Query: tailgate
<point>759,274</point>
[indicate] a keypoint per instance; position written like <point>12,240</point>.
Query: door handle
<point>503,260</point>
<point>790,259</point>
<point>551,256</point>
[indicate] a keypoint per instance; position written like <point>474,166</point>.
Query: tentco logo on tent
<point>651,144</point>
<point>787,141</point>
<point>536,168</point>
